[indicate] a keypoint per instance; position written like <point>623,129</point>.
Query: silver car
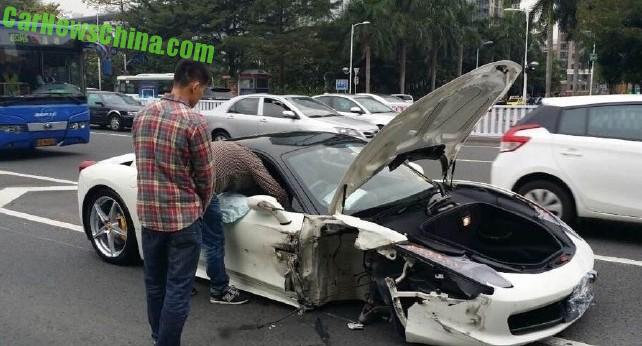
<point>359,107</point>
<point>259,114</point>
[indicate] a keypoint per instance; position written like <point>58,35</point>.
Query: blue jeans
<point>170,265</point>
<point>214,246</point>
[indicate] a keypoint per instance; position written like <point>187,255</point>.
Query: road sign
<point>341,84</point>
<point>356,70</point>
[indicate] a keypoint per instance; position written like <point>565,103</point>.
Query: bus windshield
<point>34,64</point>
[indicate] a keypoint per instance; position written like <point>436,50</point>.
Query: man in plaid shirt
<point>175,184</point>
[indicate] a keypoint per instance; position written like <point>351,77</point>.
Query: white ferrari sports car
<point>447,262</point>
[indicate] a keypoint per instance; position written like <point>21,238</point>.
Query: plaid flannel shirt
<point>175,165</point>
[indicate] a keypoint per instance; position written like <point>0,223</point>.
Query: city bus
<point>145,85</point>
<point>42,90</point>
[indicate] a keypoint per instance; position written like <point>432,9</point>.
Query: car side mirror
<point>289,114</point>
<point>100,103</point>
<point>356,110</point>
<point>269,205</point>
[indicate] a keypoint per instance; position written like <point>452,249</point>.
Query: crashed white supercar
<point>450,263</point>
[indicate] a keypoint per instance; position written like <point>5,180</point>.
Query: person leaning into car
<point>175,184</point>
<point>237,170</point>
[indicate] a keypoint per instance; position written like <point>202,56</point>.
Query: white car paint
<point>598,171</point>
<point>238,124</point>
<point>390,101</point>
<point>378,119</point>
<point>306,260</point>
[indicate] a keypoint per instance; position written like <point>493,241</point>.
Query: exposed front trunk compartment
<point>481,229</point>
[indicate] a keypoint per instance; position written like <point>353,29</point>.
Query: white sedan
<point>450,263</point>
<point>577,157</point>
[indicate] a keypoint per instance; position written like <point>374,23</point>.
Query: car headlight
<point>77,125</point>
<point>13,128</point>
<point>131,114</point>
<point>349,132</point>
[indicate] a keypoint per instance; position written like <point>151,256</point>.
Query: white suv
<point>578,157</point>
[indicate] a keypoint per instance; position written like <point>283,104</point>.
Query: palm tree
<point>373,37</point>
<point>467,32</point>
<point>440,30</point>
<point>550,12</point>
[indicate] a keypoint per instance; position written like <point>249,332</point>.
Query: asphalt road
<point>54,290</point>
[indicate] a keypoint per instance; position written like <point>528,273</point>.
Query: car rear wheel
<point>552,197</point>
<point>110,228</point>
<point>115,123</point>
<point>220,135</point>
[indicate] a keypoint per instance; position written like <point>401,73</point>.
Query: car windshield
<point>321,167</point>
<point>372,105</point>
<point>312,108</point>
<point>119,100</point>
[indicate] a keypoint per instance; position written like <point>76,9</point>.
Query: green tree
<point>616,30</point>
<point>550,12</point>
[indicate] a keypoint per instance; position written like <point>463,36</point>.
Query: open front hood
<point>432,128</point>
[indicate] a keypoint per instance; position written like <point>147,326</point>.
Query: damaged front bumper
<point>536,307</point>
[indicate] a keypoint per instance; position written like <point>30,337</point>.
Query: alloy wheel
<point>108,226</point>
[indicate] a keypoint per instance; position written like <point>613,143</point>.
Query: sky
<point>74,8</point>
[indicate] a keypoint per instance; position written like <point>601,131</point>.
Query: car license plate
<point>46,142</point>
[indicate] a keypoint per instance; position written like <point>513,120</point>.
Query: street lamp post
<point>487,43</point>
<point>526,12</point>
<point>593,56</point>
<point>351,48</point>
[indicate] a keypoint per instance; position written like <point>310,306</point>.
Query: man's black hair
<point>188,71</point>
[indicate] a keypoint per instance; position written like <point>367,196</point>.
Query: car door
<point>272,119</point>
<point>258,254</point>
<point>97,109</point>
<point>242,117</point>
<point>598,148</point>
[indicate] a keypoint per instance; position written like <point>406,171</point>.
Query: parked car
<point>535,100</point>
<point>395,103</point>
<point>111,109</point>
<point>514,101</point>
<point>250,115</point>
<point>359,107</point>
<point>577,156</point>
<point>451,263</point>
<point>404,97</point>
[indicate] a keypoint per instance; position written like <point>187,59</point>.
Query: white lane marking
<point>40,177</point>
<point>9,194</point>
<point>554,341</point>
<point>475,161</point>
<point>40,219</point>
<point>618,260</point>
<point>12,193</point>
<point>24,234</point>
<point>110,134</point>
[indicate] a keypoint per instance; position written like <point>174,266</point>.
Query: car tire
<point>220,135</point>
<point>117,251</point>
<point>115,123</point>
<point>552,196</point>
